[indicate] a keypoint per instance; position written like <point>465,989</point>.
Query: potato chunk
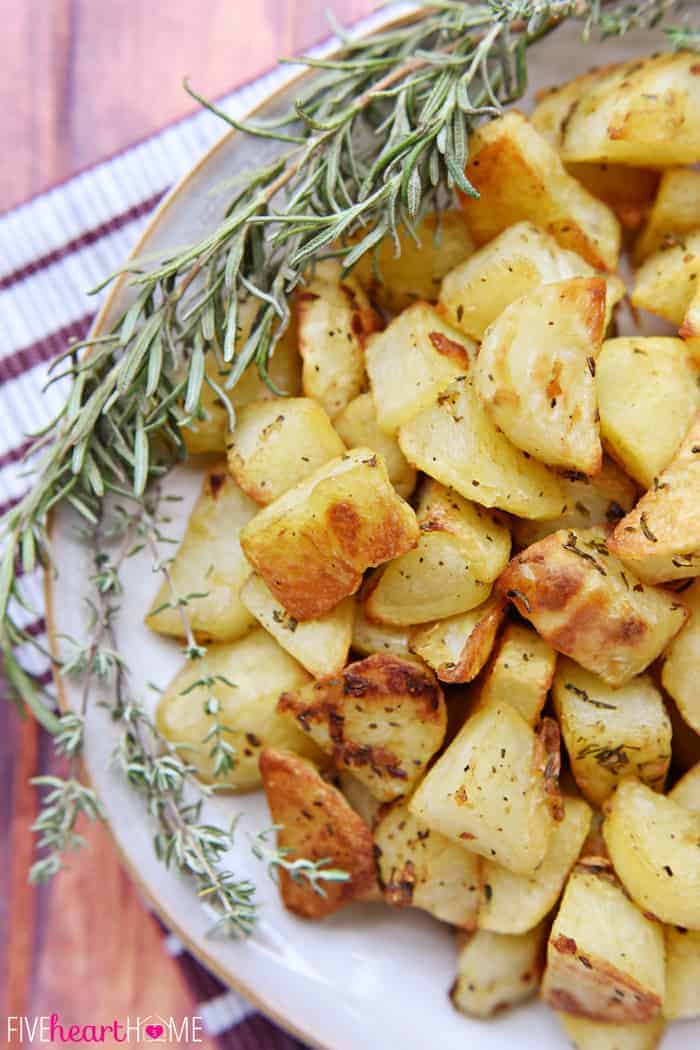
<point>639,380</point>
<point>313,543</point>
<point>381,718</point>
<point>396,283</point>
<point>249,676</point>
<point>335,319</point>
<point>535,372</point>
<point>412,361</point>
<point>369,637</point>
<point>520,673</point>
<point>496,971</point>
<point>681,669</point>
<point>277,443</point>
<point>686,792</point>
<point>665,283</point>
<point>654,846</point>
<point>520,176</point>
<point>457,442</point>
<point>675,212</point>
<point>513,264</point>
<point>461,550</point>
<point>611,733</point>
<point>516,903</point>
<point>488,791</point>
<point>321,646</point>
<point>357,425</point>
<point>597,1035</point>
<point>421,868</point>
<point>682,973</point>
<point>315,822</point>
<point>601,500</point>
<point>605,959</point>
<point>587,605</point>
<point>209,568</point>
<point>644,113</point>
<point>458,647</point>
<point>660,538</point>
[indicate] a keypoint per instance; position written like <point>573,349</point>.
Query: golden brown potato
<point>660,538</point>
<point>412,361</point>
<point>277,443</point>
<point>588,501</point>
<point>681,669</point>
<point>513,264</point>
<point>520,673</point>
<point>209,567</point>
<point>313,543</point>
<point>489,791</point>
<point>653,845</point>
<point>321,646</point>
<point>675,212</point>
<point>605,959</point>
<point>458,647</point>
<point>357,426</point>
<point>496,971</point>
<point>369,637</point>
<point>359,796</point>
<point>423,869</point>
<point>516,903</point>
<point>665,283</point>
<point>535,372</point>
<point>250,674</point>
<point>397,282</point>
<point>644,113</point>
<point>381,718</point>
<point>461,550</point>
<point>335,319</point>
<point>456,442</point>
<point>611,733</point>
<point>682,973</point>
<point>316,823</point>
<point>639,380</point>
<point>597,1035</point>
<point>520,176</point>
<point>587,605</point>
<point>555,103</point>
<point>686,792</point>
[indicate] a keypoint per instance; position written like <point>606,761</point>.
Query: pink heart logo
<point>154,1031</point>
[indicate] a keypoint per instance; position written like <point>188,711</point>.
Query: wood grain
<point>83,79</point>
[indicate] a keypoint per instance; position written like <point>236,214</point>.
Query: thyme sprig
<point>313,873</point>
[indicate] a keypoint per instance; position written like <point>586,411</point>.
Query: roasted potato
<point>675,212</point>
<point>597,1035</point>
<point>535,372</point>
<point>665,283</point>
<point>458,647</point>
<point>520,673</point>
<point>682,998</point>
<point>520,176</point>
<point>643,113</point>
<point>489,791</point>
<point>277,443</point>
<point>457,442</point>
<point>249,676</point>
<point>359,796</point>
<point>681,669</point>
<point>686,792</point>
<point>513,264</point>
<point>321,646</point>
<point>611,733</point>
<point>313,543</point>
<point>497,971</point>
<point>335,319</point>
<point>587,605</point>
<point>209,567</point>
<point>601,500</point>
<point>639,380</point>
<point>381,718</point>
<point>357,426</point>
<point>516,903</point>
<point>395,282</point>
<point>653,845</point>
<point>461,550</point>
<point>315,822</point>
<point>423,869</point>
<point>412,361</point>
<point>370,637</point>
<point>605,959</point>
<point>660,538</point>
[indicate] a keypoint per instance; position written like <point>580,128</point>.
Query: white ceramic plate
<point>368,977</point>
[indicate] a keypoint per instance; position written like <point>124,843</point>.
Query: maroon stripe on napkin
<point>257,1033</point>
<point>14,455</point>
<point>15,364</point>
<point>84,240</point>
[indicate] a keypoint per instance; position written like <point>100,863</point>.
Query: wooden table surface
<point>82,79</point>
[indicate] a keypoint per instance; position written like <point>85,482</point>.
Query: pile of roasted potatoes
<point>447,584</point>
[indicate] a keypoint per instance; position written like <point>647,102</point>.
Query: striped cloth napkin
<point>53,249</point>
